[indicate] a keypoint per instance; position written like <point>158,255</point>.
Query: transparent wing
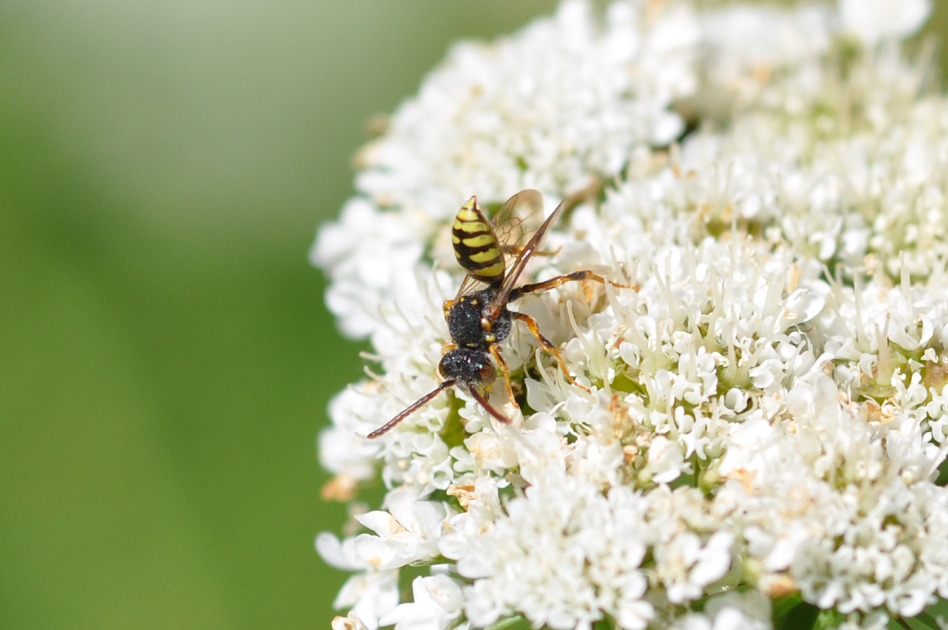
<point>514,219</point>
<point>469,285</point>
<point>510,224</point>
<point>492,310</point>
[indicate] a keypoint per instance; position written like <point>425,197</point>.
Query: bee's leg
<point>447,305</point>
<point>549,347</point>
<point>540,287</point>
<point>448,347</point>
<point>515,250</point>
<point>495,352</point>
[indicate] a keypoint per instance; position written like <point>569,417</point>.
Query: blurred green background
<point>166,355</point>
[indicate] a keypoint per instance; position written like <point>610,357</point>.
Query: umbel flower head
<point>753,437</point>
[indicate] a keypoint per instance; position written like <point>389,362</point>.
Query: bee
<point>478,318</point>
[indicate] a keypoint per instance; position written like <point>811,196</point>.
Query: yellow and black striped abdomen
<point>476,246</point>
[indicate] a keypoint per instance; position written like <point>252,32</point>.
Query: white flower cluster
<point>757,428</point>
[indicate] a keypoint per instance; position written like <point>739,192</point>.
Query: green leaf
<point>829,619</point>
<point>516,622</point>
<point>800,616</point>
<point>783,605</point>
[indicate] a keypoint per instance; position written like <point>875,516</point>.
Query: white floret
<point>764,414</point>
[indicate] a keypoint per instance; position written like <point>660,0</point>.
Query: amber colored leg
<point>495,352</point>
<point>515,251</point>
<point>576,276</point>
<point>549,347</point>
<point>447,305</point>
